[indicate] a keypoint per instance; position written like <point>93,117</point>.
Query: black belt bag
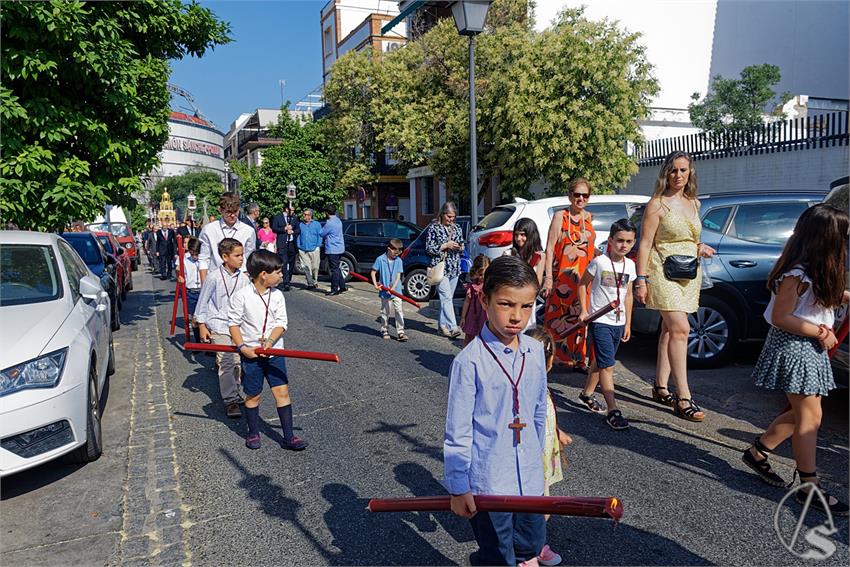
<point>678,267</point>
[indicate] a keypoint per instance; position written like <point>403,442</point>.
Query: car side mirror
<point>120,251</point>
<point>90,288</point>
<point>110,260</point>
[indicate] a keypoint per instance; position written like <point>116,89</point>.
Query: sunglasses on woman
<point>584,196</point>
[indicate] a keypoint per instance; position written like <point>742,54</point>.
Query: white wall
<point>811,169</point>
<point>808,39</point>
<point>677,36</point>
<point>353,12</point>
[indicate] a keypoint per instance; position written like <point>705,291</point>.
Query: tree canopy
<point>551,105</point>
<point>301,158</point>
<point>733,108</point>
<point>84,104</point>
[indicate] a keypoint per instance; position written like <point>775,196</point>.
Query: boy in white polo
<point>257,319</point>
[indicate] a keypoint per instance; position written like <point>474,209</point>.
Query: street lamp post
<point>226,176</point>
<point>469,16</point>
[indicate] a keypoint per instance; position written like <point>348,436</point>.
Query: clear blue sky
<point>272,40</point>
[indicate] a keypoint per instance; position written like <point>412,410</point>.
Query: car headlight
<point>42,372</point>
<point>127,245</point>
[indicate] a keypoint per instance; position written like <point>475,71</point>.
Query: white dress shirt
<point>250,311</point>
<point>193,271</point>
<point>215,232</point>
<point>216,294</point>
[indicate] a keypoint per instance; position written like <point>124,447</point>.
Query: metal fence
<point>819,131</point>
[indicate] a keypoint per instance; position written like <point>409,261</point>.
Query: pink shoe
<point>548,557</point>
<point>530,563</point>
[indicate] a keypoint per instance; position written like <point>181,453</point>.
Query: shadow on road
<point>348,520</point>
<point>438,362</point>
<point>418,446</point>
<point>421,482</point>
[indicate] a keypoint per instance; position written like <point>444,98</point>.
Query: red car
<point>124,234</point>
<point>124,271</point>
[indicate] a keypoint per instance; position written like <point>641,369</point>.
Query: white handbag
<point>437,272</point>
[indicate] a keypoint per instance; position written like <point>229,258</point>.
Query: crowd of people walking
<point>498,381</point>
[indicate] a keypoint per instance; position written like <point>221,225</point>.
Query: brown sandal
<point>688,412</point>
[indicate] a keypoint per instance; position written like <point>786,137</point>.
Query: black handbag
<point>678,267</point>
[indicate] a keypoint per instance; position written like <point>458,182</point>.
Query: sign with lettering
<point>193,146</point>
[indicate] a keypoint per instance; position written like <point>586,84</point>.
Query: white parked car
<point>57,352</point>
<point>494,233</point>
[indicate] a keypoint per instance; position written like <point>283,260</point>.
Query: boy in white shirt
<point>217,292</point>
<point>191,267</point>
<point>257,318</point>
<point>611,276</point>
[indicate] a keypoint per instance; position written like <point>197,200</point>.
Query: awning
<point>412,7</point>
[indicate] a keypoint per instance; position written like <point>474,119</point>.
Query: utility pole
<point>282,84</point>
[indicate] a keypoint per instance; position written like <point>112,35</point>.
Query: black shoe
<point>838,508</point>
<point>343,290</point>
<point>762,467</point>
<point>331,293</point>
<point>233,410</point>
<point>286,288</point>
<point>591,404</point>
<point>616,420</point>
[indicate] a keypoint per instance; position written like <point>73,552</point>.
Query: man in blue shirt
<point>309,240</point>
<point>388,268</point>
<point>334,247</point>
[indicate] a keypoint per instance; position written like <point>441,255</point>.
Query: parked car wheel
<point>346,266</point>
<point>714,333</point>
<point>93,447</point>
<point>130,285</point>
<point>123,292</point>
<point>416,285</point>
<point>110,363</point>
<point>135,265</point>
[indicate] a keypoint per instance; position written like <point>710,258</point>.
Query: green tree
<point>550,105</point>
<point>733,110</point>
<point>84,103</point>
<point>203,184</point>
<point>300,158</point>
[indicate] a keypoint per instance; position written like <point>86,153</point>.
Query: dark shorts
<point>192,300</point>
<point>254,370</point>
<point>606,341</point>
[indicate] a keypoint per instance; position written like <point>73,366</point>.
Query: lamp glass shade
<point>469,16</point>
<point>190,202</point>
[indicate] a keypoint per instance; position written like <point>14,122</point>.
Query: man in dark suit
<point>252,213</point>
<point>166,249</point>
<point>187,230</point>
<point>286,227</point>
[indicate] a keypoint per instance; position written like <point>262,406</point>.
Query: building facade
<point>356,25</point>
<point>194,144</point>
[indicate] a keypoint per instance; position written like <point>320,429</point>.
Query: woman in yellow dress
<point>671,226</point>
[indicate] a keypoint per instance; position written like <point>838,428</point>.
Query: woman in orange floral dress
<point>569,249</point>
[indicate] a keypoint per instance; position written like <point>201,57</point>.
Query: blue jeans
<point>446,291</point>
<point>505,538</point>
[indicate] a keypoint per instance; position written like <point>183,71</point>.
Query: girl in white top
<point>807,283</point>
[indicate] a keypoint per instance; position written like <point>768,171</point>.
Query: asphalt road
<point>177,485</point>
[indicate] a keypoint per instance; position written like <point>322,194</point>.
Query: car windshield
<point>29,274</point>
<point>118,229</point>
<point>495,218</point>
<point>87,249</point>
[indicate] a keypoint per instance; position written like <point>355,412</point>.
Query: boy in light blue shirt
<point>388,270</point>
<point>496,419</point>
